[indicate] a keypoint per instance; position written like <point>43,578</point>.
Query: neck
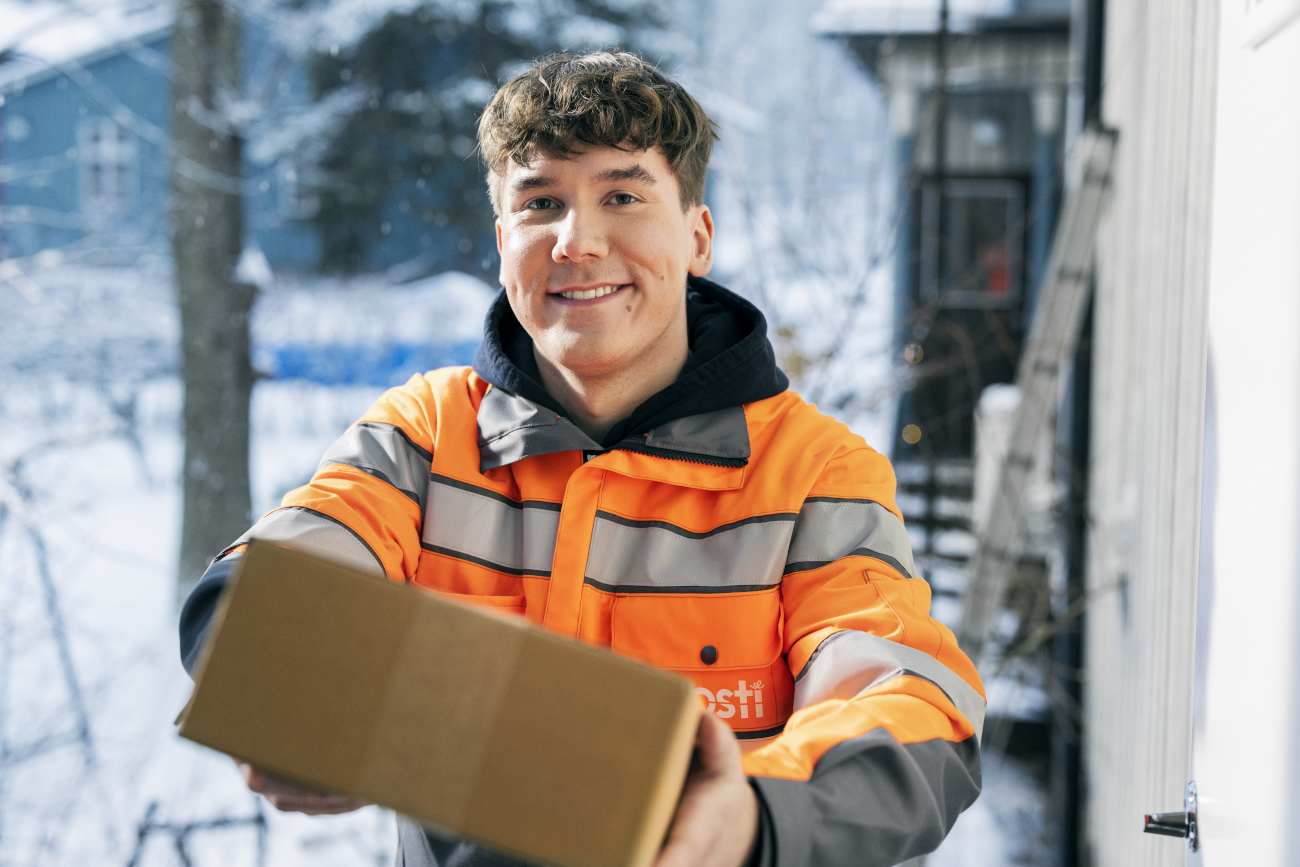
<point>596,403</point>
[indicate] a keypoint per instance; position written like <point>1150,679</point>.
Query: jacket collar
<point>511,428</point>
<point>698,418</point>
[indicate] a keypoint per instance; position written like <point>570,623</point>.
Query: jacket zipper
<point>687,457</point>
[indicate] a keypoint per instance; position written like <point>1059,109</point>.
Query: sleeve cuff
<point>785,819</point>
<point>196,614</point>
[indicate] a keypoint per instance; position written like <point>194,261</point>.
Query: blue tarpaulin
<point>384,364</point>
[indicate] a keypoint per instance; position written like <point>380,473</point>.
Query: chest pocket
<point>729,644</point>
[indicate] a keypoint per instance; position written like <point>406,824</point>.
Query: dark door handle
<point>1176,824</point>
<point>1168,824</point>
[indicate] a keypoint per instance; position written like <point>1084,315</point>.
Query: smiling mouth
<point>589,294</point>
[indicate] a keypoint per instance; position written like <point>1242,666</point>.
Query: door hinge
<point>1177,824</point>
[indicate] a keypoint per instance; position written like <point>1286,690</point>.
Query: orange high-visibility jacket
<point>757,551</point>
<point>737,536</point>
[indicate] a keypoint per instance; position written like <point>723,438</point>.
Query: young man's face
<point>595,250</point>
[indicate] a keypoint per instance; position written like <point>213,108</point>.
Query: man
<point>625,465</point>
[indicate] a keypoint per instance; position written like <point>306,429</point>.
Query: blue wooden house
<point>84,175</point>
<point>84,127</point>
<point>84,130</point>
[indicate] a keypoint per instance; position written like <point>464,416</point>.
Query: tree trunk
<point>206,172</point>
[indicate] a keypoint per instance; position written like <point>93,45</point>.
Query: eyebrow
<point>633,173</point>
<point>531,183</point>
<point>636,173</point>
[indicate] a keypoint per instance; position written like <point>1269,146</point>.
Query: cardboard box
<point>471,722</point>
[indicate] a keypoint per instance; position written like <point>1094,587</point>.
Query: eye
<point>541,204</point>
<point>622,199</point>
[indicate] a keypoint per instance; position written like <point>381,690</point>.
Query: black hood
<point>731,361</point>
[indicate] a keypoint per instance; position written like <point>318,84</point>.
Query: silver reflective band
<point>318,534</point>
<point>851,662</point>
<point>649,556</point>
<point>385,452</point>
<point>829,529</point>
<point>482,526</point>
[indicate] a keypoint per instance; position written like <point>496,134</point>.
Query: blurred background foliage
<point>394,169</point>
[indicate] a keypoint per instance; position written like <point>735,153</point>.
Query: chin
<point>589,361</point>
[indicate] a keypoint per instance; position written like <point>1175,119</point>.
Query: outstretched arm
<point>881,753</point>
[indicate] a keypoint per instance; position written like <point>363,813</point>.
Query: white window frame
<point>108,159</point>
<point>1010,191</point>
<point>297,201</point>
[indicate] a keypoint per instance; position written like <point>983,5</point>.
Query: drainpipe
<point>902,123</point>
<point>4,230</point>
<point>903,104</point>
<point>1048,102</point>
<point>1087,36</point>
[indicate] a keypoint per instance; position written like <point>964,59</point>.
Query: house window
<point>975,259</point>
<point>297,199</point>
<point>107,154</point>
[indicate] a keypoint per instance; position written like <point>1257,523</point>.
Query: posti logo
<point>724,702</point>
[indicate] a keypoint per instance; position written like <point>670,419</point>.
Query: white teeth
<point>587,295</point>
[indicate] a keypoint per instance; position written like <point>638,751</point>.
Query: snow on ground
<point>91,770</point>
<point>110,536</point>
<point>1006,827</point>
<point>69,796</point>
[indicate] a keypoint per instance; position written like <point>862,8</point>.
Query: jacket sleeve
<point>363,506</point>
<point>881,753</point>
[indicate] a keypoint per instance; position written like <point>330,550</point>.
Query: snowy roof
<point>862,17</point>
<point>40,36</point>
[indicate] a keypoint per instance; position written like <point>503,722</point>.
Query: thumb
<point>719,751</point>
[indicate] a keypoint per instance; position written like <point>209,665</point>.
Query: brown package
<point>471,722</point>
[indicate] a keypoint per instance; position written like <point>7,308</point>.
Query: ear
<point>498,224</point>
<point>701,241</point>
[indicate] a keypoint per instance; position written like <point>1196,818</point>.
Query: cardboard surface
<point>469,721</point>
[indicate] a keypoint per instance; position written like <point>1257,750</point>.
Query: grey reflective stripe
<point>630,556</point>
<point>829,529</point>
<point>385,452</point>
<point>312,531</point>
<point>721,434</point>
<point>851,662</point>
<point>511,428</point>
<point>484,527</point>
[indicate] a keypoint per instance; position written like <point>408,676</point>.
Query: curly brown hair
<point>606,98</point>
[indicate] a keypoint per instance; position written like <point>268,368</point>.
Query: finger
<point>333,811</point>
<point>253,778</point>
<point>719,751</point>
<point>264,784</point>
<point>314,806</point>
<point>277,791</point>
<point>718,814</point>
<point>716,828</point>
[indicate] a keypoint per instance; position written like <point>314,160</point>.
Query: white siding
<point>1148,404</point>
<point>1246,750</point>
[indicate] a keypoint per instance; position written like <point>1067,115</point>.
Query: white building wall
<point>1148,403</point>
<point>1245,751</point>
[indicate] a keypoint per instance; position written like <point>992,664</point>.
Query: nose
<point>580,237</point>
